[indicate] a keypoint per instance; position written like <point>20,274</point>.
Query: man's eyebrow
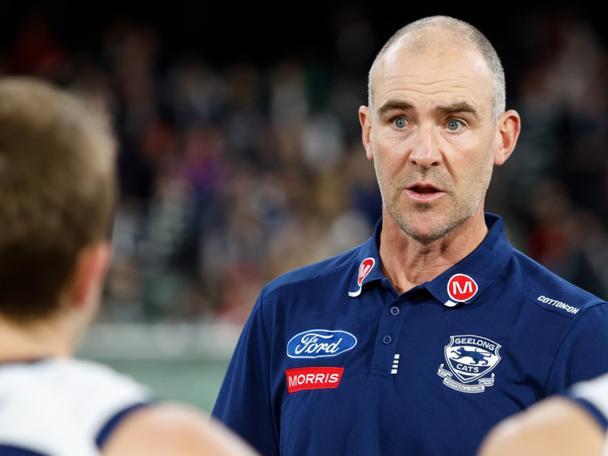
<point>394,105</point>
<point>452,108</point>
<point>461,106</point>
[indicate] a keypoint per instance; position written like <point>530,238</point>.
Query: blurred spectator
<point>232,175</point>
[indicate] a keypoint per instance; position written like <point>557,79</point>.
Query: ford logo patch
<point>320,343</point>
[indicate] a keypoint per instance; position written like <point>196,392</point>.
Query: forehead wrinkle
<point>432,89</point>
<point>395,88</point>
<point>458,82</point>
<point>400,94</point>
<point>432,92</point>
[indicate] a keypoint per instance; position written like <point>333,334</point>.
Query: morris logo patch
<point>470,359</point>
<point>320,343</point>
<point>309,378</point>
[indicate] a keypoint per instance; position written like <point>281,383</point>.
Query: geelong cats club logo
<point>469,359</point>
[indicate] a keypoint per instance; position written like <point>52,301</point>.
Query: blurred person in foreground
<point>57,192</point>
<point>573,423</point>
<point>421,339</point>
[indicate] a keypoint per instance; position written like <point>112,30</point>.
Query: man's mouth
<point>423,192</point>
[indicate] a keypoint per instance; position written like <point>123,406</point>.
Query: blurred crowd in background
<point>232,173</point>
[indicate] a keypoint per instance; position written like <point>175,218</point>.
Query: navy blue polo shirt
<point>334,361</point>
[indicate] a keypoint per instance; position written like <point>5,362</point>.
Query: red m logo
<point>461,287</point>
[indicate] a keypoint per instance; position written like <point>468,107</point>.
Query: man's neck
<point>29,342</point>
<point>408,263</point>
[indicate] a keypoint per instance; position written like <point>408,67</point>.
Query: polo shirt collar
<point>482,266</point>
<point>462,283</point>
<point>369,263</point>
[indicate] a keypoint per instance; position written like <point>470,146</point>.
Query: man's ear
<point>509,127</point>
<point>366,128</point>
<point>89,274</point>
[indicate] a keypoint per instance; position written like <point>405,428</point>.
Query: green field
<point>195,381</point>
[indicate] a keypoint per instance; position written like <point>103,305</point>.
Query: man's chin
<point>425,236</point>
<point>425,228</point>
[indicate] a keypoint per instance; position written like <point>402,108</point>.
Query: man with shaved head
<point>421,339</point>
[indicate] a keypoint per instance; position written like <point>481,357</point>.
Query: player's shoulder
<point>77,375</point>
<point>322,273</point>
<point>167,428</point>
<point>554,426</point>
<point>593,391</point>
<point>20,384</point>
<point>552,292</point>
<point>97,394</point>
<point>54,424</point>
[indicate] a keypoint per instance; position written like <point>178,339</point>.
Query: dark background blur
<point>240,155</point>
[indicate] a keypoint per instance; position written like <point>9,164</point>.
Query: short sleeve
<point>244,402</point>
<point>583,353</point>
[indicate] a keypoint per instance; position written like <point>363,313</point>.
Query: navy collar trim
<point>23,361</point>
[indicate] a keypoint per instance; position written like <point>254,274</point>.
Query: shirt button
<point>394,311</point>
<point>387,339</point>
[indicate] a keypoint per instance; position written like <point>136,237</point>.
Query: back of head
<point>57,192</point>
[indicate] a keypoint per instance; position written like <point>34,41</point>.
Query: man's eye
<point>454,124</point>
<point>400,122</point>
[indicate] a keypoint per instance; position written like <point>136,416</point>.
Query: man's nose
<point>425,150</point>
